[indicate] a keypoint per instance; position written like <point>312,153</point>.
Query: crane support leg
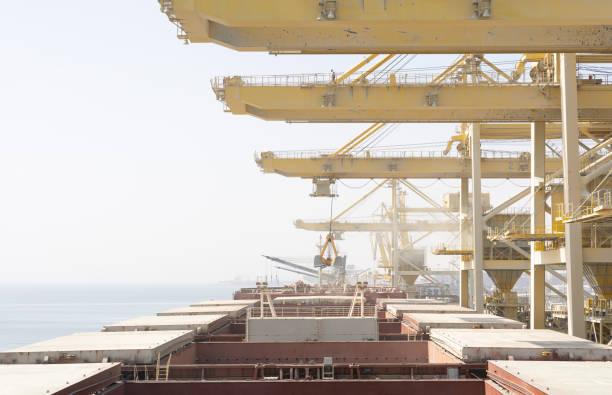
<point>538,222</point>
<point>464,236</point>
<point>477,222</point>
<point>572,186</point>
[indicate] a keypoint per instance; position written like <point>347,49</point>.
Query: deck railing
<point>311,311</point>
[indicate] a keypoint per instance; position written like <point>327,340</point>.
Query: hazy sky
<point>117,164</point>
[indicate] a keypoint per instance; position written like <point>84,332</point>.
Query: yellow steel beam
<point>514,131</point>
<point>374,67</point>
<point>593,58</point>
<point>398,167</point>
<point>519,68</point>
<point>496,69</point>
<point>355,68</point>
<point>450,70</point>
<point>396,26</point>
<point>417,226</point>
<point>409,102</point>
<point>345,149</point>
<point>364,197</point>
<point>499,264</point>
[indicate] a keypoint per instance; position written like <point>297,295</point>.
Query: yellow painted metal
<point>598,208</point>
<point>369,165</point>
<point>355,68</point>
<point>345,149</point>
<point>303,101</point>
<point>601,273</point>
<point>451,69</point>
<point>593,58</point>
<point>521,65</point>
<point>329,243</point>
<point>497,69</point>
<point>396,26</point>
<point>348,226</point>
<point>445,251</point>
<point>460,138</point>
<point>369,71</point>
<point>364,197</point>
<point>516,131</point>
<point>514,233</point>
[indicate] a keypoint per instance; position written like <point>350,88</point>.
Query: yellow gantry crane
<point>396,26</point>
<point>547,35</point>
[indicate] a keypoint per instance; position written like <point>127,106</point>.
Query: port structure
<point>390,229</point>
<point>549,37</point>
<point>550,81</point>
<point>320,165</point>
<point>420,26</point>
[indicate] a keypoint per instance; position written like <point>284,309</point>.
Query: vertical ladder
<point>265,299</point>
<point>359,297</point>
<point>161,372</point>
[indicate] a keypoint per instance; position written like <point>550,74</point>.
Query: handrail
<point>382,78</point>
<point>310,311</point>
<point>384,154</point>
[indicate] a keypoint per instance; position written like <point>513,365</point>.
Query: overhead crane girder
<point>417,226</point>
<point>522,131</point>
<point>409,102</point>
<point>395,26</point>
<point>396,167</point>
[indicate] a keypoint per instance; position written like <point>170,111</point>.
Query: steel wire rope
<point>380,73</point>
<point>496,186</point>
<point>408,60</point>
<point>517,185</point>
<point>382,136</point>
<point>331,214</point>
<point>386,130</point>
<point>448,185</point>
<point>359,187</point>
<point>437,180</point>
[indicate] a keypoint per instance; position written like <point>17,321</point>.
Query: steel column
<point>394,235</point>
<point>572,187</point>
<point>464,241</point>
<point>538,222</point>
<point>477,222</point>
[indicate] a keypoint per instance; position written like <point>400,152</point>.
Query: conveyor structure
<point>544,97</point>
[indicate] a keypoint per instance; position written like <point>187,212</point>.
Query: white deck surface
<point>383,302</point>
<point>133,347</point>
<point>46,379</point>
<point>198,323</point>
<point>453,320</point>
<point>562,377</point>
<point>399,309</point>
<point>229,302</point>
<point>233,311</point>
<point>475,345</point>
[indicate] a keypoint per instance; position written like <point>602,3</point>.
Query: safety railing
<point>542,238</point>
<point>384,154</point>
<point>366,220</point>
<point>597,202</point>
<point>311,311</point>
<point>382,78</point>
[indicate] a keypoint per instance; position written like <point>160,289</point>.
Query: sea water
<point>32,313</point>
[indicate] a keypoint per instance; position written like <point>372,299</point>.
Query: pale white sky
<point>117,164</point>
